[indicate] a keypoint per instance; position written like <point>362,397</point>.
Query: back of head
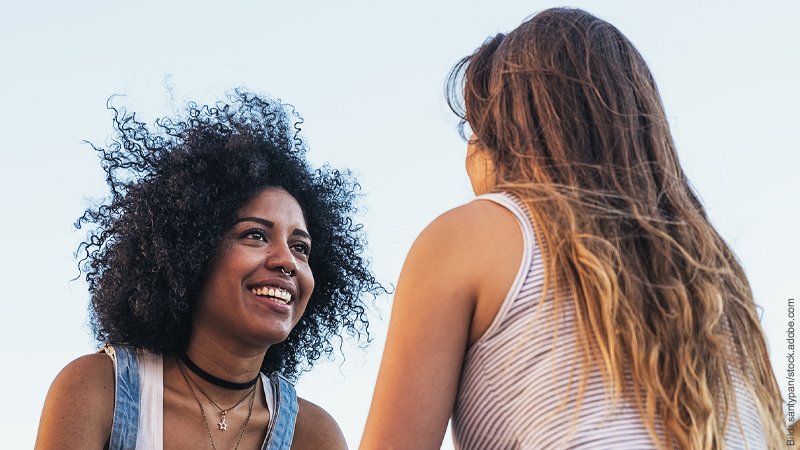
<point>572,119</point>
<point>565,98</point>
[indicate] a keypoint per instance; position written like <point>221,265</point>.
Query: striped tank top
<point>518,381</point>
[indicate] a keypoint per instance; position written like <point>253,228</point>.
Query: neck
<point>223,360</point>
<point>213,379</point>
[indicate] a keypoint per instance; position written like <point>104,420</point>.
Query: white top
<point>516,391</point>
<point>151,406</point>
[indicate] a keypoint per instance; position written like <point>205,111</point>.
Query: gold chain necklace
<point>252,395</point>
<point>223,425</point>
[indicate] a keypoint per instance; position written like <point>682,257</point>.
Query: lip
<point>272,304</point>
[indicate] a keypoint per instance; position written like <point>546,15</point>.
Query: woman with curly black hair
<point>204,283</point>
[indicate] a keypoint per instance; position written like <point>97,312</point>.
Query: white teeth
<point>280,295</point>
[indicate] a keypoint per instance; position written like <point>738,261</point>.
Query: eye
<point>255,234</point>
<point>302,248</point>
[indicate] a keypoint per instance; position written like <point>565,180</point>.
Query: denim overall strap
<point>281,430</point>
<point>125,426</point>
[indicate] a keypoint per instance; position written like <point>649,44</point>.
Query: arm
<point>432,324</point>
<point>315,428</point>
<point>79,406</point>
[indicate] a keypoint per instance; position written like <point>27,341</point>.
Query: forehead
<point>276,205</point>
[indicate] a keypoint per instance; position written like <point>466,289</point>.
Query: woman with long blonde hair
<point>583,300</point>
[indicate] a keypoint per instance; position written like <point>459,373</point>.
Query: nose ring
<point>288,274</point>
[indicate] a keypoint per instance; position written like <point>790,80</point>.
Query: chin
<point>272,337</point>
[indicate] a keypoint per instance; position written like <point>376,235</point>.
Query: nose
<point>281,259</point>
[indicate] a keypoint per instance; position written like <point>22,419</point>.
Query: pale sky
<point>368,78</point>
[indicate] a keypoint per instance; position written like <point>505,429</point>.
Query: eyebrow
<point>268,224</point>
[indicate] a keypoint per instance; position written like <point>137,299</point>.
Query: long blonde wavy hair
<point>574,124</point>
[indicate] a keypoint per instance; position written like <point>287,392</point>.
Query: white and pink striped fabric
<point>516,391</point>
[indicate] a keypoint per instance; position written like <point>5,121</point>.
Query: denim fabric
<point>126,398</point>
<point>281,432</point>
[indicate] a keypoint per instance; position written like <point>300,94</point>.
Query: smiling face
<point>259,283</point>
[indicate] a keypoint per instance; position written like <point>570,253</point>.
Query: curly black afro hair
<point>176,188</point>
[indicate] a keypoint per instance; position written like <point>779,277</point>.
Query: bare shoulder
<point>487,244</point>
<point>478,215</point>
<point>91,375</point>
<point>476,219</point>
<point>467,238</point>
<point>435,308</point>
<point>86,385</point>
<point>316,429</point>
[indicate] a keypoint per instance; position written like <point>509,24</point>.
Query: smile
<point>281,296</point>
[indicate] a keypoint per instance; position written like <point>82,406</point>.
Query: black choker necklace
<point>214,380</point>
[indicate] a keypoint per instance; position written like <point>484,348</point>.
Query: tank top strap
<point>281,428</point>
<point>530,253</point>
<point>125,424</point>
<point>516,207</point>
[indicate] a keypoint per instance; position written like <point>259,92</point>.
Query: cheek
<point>308,290</point>
<point>299,313</point>
<point>228,270</point>
<point>307,286</point>
<point>311,284</point>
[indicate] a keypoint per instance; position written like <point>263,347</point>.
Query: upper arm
<point>79,406</point>
<point>429,330</point>
<point>316,429</point>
